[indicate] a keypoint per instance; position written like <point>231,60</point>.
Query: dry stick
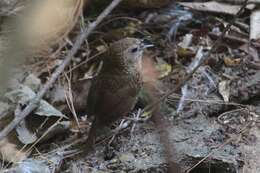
<point>189,75</point>
<point>80,39</point>
<point>236,39</point>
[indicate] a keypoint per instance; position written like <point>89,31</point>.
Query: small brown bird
<point>113,93</point>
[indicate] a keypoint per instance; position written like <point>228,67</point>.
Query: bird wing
<point>110,99</point>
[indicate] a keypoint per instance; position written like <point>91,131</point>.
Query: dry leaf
<point>212,6</point>
<point>186,42</point>
<point>232,62</point>
<point>163,67</point>
<point>24,134</point>
<point>185,52</point>
<point>24,94</point>
<point>224,90</point>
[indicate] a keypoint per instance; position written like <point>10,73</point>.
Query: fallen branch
<point>80,39</point>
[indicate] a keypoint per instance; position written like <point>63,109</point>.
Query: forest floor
<point>212,119</point>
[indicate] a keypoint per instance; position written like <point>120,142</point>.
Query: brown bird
<point>113,93</point>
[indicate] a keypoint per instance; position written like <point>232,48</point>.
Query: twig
<point>80,39</point>
<point>235,39</point>
<point>206,56</point>
<point>69,99</point>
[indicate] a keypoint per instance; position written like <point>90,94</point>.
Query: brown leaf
<point>232,62</point>
<point>212,6</point>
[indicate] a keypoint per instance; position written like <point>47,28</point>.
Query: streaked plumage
<point>113,93</point>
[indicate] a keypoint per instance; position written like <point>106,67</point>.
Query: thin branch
<point>80,39</point>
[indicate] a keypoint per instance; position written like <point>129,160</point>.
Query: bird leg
<point>92,135</point>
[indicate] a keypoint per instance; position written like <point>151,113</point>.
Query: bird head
<point>128,51</point>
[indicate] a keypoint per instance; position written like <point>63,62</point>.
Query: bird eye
<point>134,50</point>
